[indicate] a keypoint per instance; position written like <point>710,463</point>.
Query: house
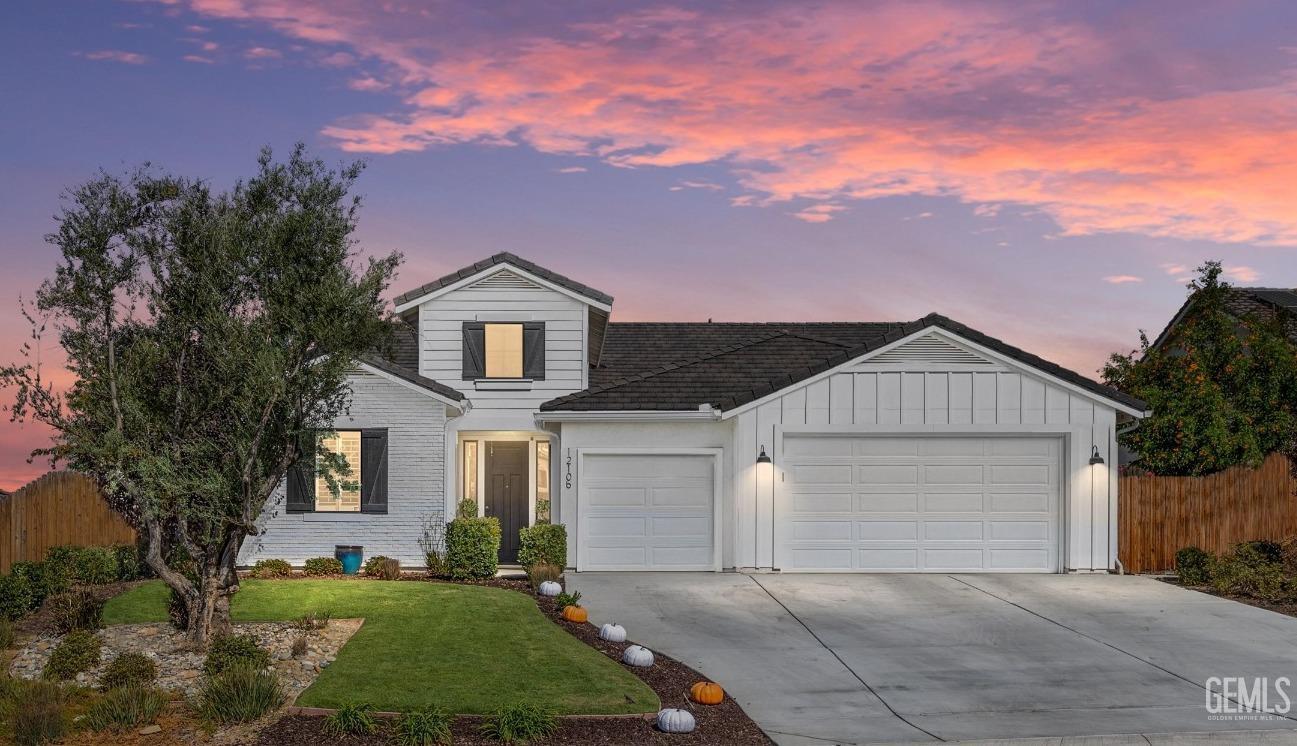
<point>1243,304</point>
<point>923,446</point>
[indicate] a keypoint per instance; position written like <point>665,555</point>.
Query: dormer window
<point>504,350</point>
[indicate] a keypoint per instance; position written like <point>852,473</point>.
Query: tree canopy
<point>1223,388</point>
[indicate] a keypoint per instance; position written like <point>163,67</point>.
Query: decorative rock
<point>612,632</point>
<point>149,730</point>
<point>550,588</point>
<point>638,656</point>
<point>672,720</point>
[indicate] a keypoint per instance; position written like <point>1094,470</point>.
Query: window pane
<point>468,506</point>
<point>346,498</point>
<point>504,350</point>
<point>542,482</point>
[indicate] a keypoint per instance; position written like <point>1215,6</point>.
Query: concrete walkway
<point>908,658</point>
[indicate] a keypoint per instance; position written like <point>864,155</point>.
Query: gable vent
<point>505,280</point>
<point>930,349</point>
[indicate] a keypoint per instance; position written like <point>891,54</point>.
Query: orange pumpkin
<point>575,613</point>
<point>707,693</point>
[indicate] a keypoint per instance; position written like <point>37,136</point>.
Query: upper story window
<point>504,350</point>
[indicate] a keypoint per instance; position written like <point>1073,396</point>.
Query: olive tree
<point>210,335</point>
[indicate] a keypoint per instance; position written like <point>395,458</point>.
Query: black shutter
<point>373,470</point>
<point>474,350</point>
<point>533,350</point>
<point>301,478</point>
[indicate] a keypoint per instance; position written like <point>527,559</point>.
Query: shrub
<point>312,621</point>
<point>239,694</point>
<point>230,651</point>
<point>77,609</point>
<point>542,571</point>
<point>70,565</point>
<point>433,543</point>
<point>38,576</point>
<point>544,542</point>
<point>40,714</point>
<point>6,634</point>
<point>352,719</point>
<point>1245,572</point>
<point>78,651</point>
<point>299,647</point>
<point>1192,564</point>
<point>271,568</point>
<point>125,707</point>
<point>317,566</point>
<point>128,669</point>
<point>467,508</point>
<point>129,564</point>
<point>17,596</point>
<point>565,599</point>
<point>1263,549</point>
<point>176,612</point>
<point>520,724</point>
<point>389,569</point>
<point>423,728</point>
<point>374,565</point>
<point>472,547</point>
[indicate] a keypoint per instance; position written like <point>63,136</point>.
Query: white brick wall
<point>416,480</point>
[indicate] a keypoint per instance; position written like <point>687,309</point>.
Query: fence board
<point>1159,515</point>
<point>61,507</point>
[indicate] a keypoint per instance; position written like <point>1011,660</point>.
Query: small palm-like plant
<point>520,724</point>
<point>352,719</point>
<point>423,728</point>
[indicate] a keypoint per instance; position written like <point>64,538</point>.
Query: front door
<point>506,493</point>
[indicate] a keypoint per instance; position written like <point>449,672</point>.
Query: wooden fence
<point>61,507</point>
<point>1159,515</point>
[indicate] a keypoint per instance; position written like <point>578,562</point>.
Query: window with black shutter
<point>504,350</point>
<point>359,484</point>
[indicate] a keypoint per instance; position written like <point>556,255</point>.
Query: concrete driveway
<point>901,658</point>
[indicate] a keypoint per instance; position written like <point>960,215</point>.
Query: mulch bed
<point>670,679</point>
<point>1289,609</point>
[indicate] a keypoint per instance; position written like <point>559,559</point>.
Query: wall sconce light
<point>1095,458</point>
<point>762,458</point>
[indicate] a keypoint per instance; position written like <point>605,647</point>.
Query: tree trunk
<point>209,608</point>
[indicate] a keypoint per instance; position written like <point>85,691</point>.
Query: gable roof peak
<point>503,258</point>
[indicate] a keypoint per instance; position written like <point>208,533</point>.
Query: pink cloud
<point>992,104</point>
<point>571,170</point>
<point>821,213</point>
<point>117,55</point>
<point>1241,274</point>
<point>262,53</point>
<point>199,59</point>
<point>1122,279</point>
<point>367,84</point>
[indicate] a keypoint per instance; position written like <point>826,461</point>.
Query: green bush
<point>374,565</point>
<point>17,596</point>
<point>322,566</point>
<point>544,542</point>
<point>40,714</point>
<point>130,566</point>
<point>312,621</point>
<point>71,565</point>
<point>1264,550</point>
<point>128,669</point>
<point>230,651</point>
<point>388,569</point>
<point>271,568</point>
<point>42,584</point>
<point>239,694</point>
<point>76,609</point>
<point>467,508</point>
<point>78,651</point>
<point>1246,572</point>
<point>352,719</point>
<point>520,724</point>
<point>1192,564</point>
<point>472,547</point>
<point>565,599</point>
<point>125,708</point>
<point>423,728</point>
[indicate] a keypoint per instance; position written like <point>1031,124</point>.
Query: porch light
<point>765,469</point>
<point>762,458</point>
<point>1095,458</point>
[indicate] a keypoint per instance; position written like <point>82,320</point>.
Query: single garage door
<point>919,504</point>
<point>646,511</point>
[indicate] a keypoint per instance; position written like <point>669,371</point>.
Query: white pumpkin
<point>638,656</point>
<point>612,633</point>
<point>550,588</point>
<point>672,720</point>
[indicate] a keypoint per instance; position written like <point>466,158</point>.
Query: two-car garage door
<point>918,504</point>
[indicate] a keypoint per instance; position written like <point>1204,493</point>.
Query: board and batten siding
<point>416,431</point>
<point>441,323</point>
<point>973,399</point>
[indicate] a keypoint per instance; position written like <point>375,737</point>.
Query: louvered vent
<point>505,280</point>
<point>930,349</point>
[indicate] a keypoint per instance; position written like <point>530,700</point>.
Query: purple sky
<point>1045,172</point>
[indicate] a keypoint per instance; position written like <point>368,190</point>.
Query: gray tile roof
<point>678,367</point>
<point>405,374</point>
<point>1243,302</point>
<point>505,257</point>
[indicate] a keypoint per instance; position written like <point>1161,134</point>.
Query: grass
<point>466,649</point>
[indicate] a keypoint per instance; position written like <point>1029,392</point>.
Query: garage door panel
<point>938,504</point>
<point>646,512</point>
<point>821,474</point>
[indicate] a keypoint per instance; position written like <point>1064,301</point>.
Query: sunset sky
<point>1048,173</point>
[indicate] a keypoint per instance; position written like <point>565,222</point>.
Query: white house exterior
<point>892,447</point>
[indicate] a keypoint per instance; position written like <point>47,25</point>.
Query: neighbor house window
<point>504,351</point>
<point>346,496</point>
<point>468,504</point>
<point>542,482</point>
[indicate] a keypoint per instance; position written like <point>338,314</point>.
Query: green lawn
<point>468,649</point>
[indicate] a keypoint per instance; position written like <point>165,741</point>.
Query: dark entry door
<point>506,494</point>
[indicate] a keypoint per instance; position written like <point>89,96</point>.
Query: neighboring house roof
<point>1244,302</point>
<point>729,365</point>
<point>505,257</point>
